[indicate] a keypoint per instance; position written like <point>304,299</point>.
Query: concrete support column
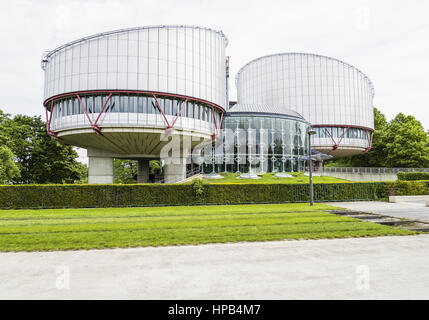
<point>143,171</point>
<point>175,170</point>
<point>100,170</point>
<point>100,166</point>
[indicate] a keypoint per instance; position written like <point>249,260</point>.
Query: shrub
<point>197,186</point>
<point>411,176</point>
<point>408,188</point>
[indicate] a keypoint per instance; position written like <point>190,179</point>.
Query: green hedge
<point>412,176</point>
<point>87,196</point>
<point>405,188</point>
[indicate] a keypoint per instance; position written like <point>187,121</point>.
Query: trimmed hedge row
<point>412,176</point>
<point>87,196</point>
<point>406,188</point>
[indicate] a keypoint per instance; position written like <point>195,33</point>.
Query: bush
<point>408,188</point>
<point>198,187</point>
<point>111,195</point>
<point>412,176</point>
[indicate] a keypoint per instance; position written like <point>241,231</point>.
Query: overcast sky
<point>387,40</point>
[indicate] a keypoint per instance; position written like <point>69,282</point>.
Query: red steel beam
<point>84,110</point>
<point>158,93</point>
<point>369,138</point>
<point>97,128</point>
<point>48,122</point>
<point>102,109</point>
<point>162,112</point>
<point>180,111</point>
<point>340,126</point>
<point>332,138</point>
<point>336,145</point>
<point>342,136</point>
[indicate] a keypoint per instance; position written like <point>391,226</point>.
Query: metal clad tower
<point>335,97</point>
<point>117,93</point>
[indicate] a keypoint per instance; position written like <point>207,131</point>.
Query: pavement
<point>412,210</point>
<point>355,268</point>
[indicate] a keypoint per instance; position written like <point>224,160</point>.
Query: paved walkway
<point>361,268</point>
<point>413,210</point>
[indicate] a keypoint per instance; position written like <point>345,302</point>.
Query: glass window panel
<point>140,104</point>
<point>122,104</point>
<point>190,109</point>
<point>154,107</point>
<point>197,111</point>
<point>145,101</point>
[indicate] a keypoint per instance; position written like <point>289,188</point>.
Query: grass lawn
<point>270,178</point>
<point>68,229</point>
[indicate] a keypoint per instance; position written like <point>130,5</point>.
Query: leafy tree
<point>3,137</point>
<point>406,143</point>
<point>155,167</point>
<point>125,171</point>
<point>8,168</point>
<point>401,142</point>
<point>40,158</point>
<point>377,155</point>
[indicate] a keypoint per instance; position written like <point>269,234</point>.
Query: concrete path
<point>413,210</point>
<point>361,268</point>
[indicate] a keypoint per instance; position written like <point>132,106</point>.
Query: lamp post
<point>310,132</point>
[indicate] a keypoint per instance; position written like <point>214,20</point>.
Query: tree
<point>125,171</point>
<point>3,137</point>
<point>401,142</point>
<point>8,168</point>
<point>406,143</point>
<point>40,158</point>
<point>376,157</point>
<point>155,167</point>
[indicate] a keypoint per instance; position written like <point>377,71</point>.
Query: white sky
<point>387,39</point>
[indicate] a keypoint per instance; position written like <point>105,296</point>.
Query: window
<point>190,110</point>
<point>140,104</point>
<point>69,107</point>
<point>154,106</point>
<point>132,104</point>
<point>123,107</point>
<point>196,111</point>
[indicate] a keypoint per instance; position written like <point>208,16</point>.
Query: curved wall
<point>183,60</point>
<point>327,92</point>
<point>262,143</point>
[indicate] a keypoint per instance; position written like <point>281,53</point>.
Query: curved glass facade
<point>341,132</point>
<point>130,110</point>
<point>260,143</point>
<point>348,137</point>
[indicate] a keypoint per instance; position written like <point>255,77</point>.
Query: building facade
<point>132,93</point>
<point>117,93</point>
<point>334,96</point>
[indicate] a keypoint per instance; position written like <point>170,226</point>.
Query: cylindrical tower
<point>335,97</point>
<point>119,92</point>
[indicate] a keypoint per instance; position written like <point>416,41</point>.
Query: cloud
<point>385,39</point>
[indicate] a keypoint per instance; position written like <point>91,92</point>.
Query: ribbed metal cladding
<point>184,60</point>
<point>324,90</point>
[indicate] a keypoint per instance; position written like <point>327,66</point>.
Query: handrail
<point>377,170</point>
